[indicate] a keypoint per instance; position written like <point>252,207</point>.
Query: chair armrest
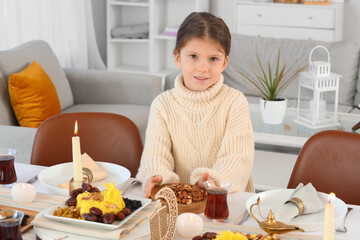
<point>104,87</point>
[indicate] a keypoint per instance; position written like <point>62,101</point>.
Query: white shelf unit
<point>298,21</point>
<point>127,55</point>
<point>168,13</point>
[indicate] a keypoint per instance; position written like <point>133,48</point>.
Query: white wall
<point>225,9</point>
<point>352,19</point>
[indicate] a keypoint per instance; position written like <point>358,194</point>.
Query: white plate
<point>54,175</point>
<point>49,213</point>
<point>309,222</point>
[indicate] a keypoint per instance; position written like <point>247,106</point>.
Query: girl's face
<point>201,61</point>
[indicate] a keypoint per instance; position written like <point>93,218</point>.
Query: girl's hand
<point>150,184</point>
<point>204,178</point>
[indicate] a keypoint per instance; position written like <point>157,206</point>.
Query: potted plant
<point>269,86</point>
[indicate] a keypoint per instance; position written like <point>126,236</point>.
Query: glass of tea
<point>217,208</point>
<point>10,224</point>
<point>7,169</point>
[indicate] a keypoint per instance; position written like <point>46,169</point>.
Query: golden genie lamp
<point>271,226</point>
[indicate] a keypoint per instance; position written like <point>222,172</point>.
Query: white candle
<point>329,218</point>
<point>23,193</point>
<point>189,225</point>
<point>76,154</point>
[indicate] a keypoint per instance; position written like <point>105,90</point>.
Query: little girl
<point>200,130</point>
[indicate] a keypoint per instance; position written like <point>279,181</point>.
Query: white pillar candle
<point>329,218</point>
<point>76,154</point>
<point>189,225</point>
<point>23,193</point>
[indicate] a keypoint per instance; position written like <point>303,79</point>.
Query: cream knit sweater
<point>190,133</point>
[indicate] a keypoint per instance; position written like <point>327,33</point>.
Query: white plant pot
<point>273,112</point>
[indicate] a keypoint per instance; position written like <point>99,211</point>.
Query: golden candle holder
<point>271,226</point>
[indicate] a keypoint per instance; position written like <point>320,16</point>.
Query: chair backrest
<point>330,161</point>
<point>104,137</point>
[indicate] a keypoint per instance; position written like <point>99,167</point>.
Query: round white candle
<point>189,225</point>
<point>76,154</point>
<point>329,218</point>
<point>23,193</point>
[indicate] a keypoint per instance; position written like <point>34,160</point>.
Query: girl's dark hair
<point>203,25</point>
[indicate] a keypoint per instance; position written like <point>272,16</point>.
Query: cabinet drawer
<point>287,32</point>
<point>312,17</point>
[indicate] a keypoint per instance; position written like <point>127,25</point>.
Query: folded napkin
<point>119,233</point>
<point>87,162</point>
<point>308,198</point>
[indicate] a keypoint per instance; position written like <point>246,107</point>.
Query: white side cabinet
<point>127,54</point>
<point>168,14</point>
<point>298,21</point>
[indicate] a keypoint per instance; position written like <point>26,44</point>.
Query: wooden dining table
<point>236,201</point>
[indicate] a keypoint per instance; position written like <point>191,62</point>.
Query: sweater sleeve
<point>235,157</point>
<point>157,158</point>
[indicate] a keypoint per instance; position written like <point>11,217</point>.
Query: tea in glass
<point>216,205</point>
<point>10,224</point>
<point>7,169</point>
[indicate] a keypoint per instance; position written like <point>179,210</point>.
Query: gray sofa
<point>344,58</point>
<point>79,90</point>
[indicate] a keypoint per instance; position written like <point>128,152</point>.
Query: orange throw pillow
<point>33,96</point>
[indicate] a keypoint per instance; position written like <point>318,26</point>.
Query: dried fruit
<point>108,218</point>
<point>126,211</point>
<point>120,216</point>
<point>75,192</point>
<point>90,217</point>
<point>96,211</point>
<point>187,193</point>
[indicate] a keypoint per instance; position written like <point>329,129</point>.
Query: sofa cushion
<point>344,61</point>
<point>18,58</point>
<point>7,116</point>
<point>33,96</point>
<point>139,114</point>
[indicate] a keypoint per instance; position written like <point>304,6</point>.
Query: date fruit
<point>96,211</point>
<point>90,217</point>
<point>85,186</point>
<point>71,202</point>
<point>209,235</point>
<point>75,192</point>
<point>120,216</point>
<point>100,219</point>
<point>108,218</point>
<point>126,211</point>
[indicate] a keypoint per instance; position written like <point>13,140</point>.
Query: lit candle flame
<point>331,197</point>
<point>76,128</point>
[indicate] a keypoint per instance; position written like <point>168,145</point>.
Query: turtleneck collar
<point>191,98</point>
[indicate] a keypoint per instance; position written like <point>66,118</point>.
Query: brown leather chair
<point>104,137</point>
<point>330,160</point>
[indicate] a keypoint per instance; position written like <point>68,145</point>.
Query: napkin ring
<point>299,203</point>
<point>88,174</point>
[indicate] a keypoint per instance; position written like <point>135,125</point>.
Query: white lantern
<point>318,95</point>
